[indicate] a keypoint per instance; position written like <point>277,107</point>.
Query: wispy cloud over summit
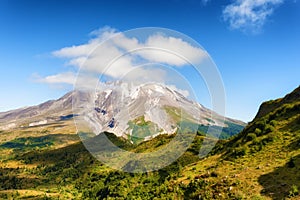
<point>115,55</point>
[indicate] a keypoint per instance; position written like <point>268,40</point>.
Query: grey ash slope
<point>43,113</point>
<point>121,108</point>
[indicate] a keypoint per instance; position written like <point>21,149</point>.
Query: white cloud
<point>175,45</point>
<point>249,15</point>
<point>100,56</point>
<point>104,33</point>
<point>83,81</point>
<point>97,54</point>
<point>65,78</point>
<point>162,49</point>
<point>101,35</point>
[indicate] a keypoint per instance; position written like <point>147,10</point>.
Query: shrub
<point>270,138</point>
<point>258,146</point>
<point>257,131</point>
<point>240,151</point>
<point>269,129</point>
<point>251,137</point>
<point>273,123</point>
<point>261,124</point>
<point>294,191</point>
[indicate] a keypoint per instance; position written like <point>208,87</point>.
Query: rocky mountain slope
<point>124,109</point>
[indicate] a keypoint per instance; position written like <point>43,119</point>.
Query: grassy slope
<point>263,161</point>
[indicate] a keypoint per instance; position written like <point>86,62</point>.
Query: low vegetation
<point>261,162</point>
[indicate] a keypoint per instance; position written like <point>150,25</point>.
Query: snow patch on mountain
<point>42,122</point>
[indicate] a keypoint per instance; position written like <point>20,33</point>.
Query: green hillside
<point>261,162</point>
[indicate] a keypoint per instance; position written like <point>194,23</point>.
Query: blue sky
<point>257,53</point>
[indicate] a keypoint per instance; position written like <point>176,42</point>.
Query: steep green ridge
<point>271,145</point>
<point>270,106</point>
<point>262,162</point>
<point>274,119</point>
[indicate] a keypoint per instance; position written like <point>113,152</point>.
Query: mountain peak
<point>293,96</point>
<point>269,106</point>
